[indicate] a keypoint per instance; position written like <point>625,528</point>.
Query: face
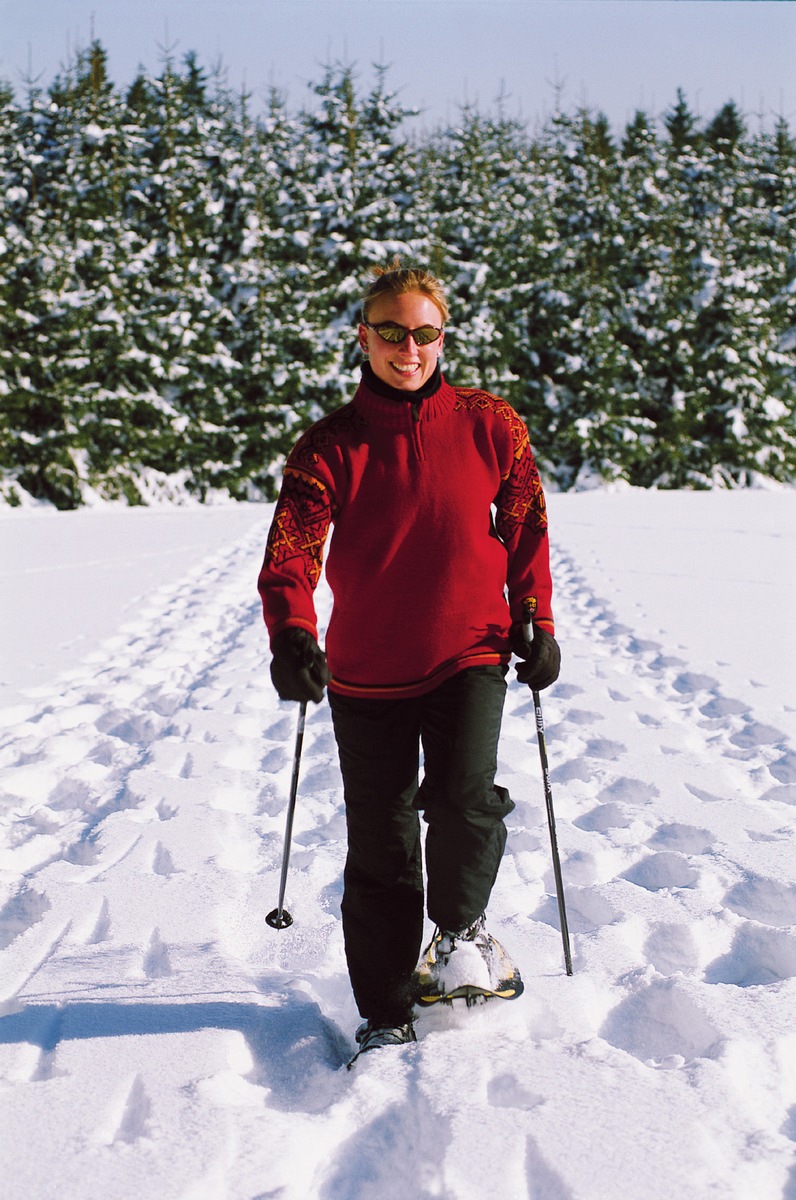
<point>406,366</point>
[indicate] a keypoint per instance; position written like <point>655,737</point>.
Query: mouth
<point>405,369</point>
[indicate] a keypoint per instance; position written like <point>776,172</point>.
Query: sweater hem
<point>419,687</point>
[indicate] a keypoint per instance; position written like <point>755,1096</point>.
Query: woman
<point>430,591</point>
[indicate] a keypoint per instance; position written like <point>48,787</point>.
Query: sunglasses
<point>395,334</point>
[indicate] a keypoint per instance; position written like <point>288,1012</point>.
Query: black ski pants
<point>458,726</point>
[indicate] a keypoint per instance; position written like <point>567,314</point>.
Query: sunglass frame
<point>381,326</point>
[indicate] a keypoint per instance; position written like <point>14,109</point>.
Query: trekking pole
<point>280,918</point>
<point>551,819</point>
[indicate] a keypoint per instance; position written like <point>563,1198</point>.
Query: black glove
<point>298,669</point>
<point>542,657</point>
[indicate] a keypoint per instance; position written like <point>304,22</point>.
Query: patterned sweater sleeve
<point>521,522</point>
<point>294,551</point>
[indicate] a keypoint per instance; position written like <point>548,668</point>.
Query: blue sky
<point>614,55</point>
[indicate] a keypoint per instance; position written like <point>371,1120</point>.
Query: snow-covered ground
<point>157,1039</point>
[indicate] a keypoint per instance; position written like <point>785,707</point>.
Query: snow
<point>158,1039</point>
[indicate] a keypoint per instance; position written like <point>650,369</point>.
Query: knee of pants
<point>386,863</point>
<point>479,805</point>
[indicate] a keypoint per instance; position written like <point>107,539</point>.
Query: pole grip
<point>528,610</point>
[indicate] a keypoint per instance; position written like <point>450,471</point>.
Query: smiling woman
<point>429,600</point>
<point>401,333</point>
<point>405,362</point>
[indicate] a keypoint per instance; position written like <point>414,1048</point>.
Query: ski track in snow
<point>143,832</point>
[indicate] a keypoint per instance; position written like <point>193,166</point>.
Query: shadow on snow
<point>292,1045</point>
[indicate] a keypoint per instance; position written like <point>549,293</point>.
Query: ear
<point>363,338</point>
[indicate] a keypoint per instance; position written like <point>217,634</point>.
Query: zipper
<point>417,439</point>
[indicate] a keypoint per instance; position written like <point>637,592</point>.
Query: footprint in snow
<point>604,818</point>
<point>661,1025</point>
<point>783,794</point>
<point>757,957</point>
<point>274,760</point>
<point>720,707</point>
<point>630,791</point>
<point>582,716</point>
<point>542,1178</point>
<point>701,794</point>
<point>507,1091</point>
<point>281,731</point>
<point>754,734</point>
<point>690,683</point>
<point>671,947</point>
<point>85,851</point>
<point>21,913</point>
<point>687,839</point>
<point>586,910</point>
<point>157,962</point>
<point>763,900</point>
<point>604,749</point>
<point>575,769</point>
<point>102,928</point>
<point>136,729</point>
<point>580,868</point>
<point>662,870</point>
<point>566,691</point>
<point>162,862</point>
<point>784,769</point>
<point>271,801</point>
<point>133,1122</point>
<point>324,777</point>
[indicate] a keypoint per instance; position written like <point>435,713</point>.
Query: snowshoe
<point>371,1036</point>
<point>470,965</point>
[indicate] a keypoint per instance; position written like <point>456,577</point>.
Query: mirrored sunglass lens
<point>425,334</point>
<point>392,333</point>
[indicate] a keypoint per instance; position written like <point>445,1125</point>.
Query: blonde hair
<point>395,280</point>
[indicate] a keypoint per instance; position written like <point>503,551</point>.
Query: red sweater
<point>418,567</point>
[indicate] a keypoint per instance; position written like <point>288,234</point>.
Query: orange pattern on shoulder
<point>300,524</point>
<point>469,398</point>
<point>521,499</point>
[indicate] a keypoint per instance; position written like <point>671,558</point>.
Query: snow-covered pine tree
<point>354,186</point>
<point>179,280</point>
<point>33,450</point>
<point>591,381</point>
<point>77,412</point>
<point>186,329</point>
<point>672,271</point>
<point>475,190</point>
<point>95,167</point>
<point>266,271</point>
<point>776,193</point>
<point>744,395</point>
<point>651,307</point>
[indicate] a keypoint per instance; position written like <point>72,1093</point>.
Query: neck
<point>381,388</point>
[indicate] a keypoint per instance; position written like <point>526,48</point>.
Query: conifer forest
<point>181,268</point>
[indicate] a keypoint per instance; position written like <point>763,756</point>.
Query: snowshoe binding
<point>469,965</point>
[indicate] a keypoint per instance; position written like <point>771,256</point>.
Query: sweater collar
<point>381,388</point>
<point>377,409</point>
